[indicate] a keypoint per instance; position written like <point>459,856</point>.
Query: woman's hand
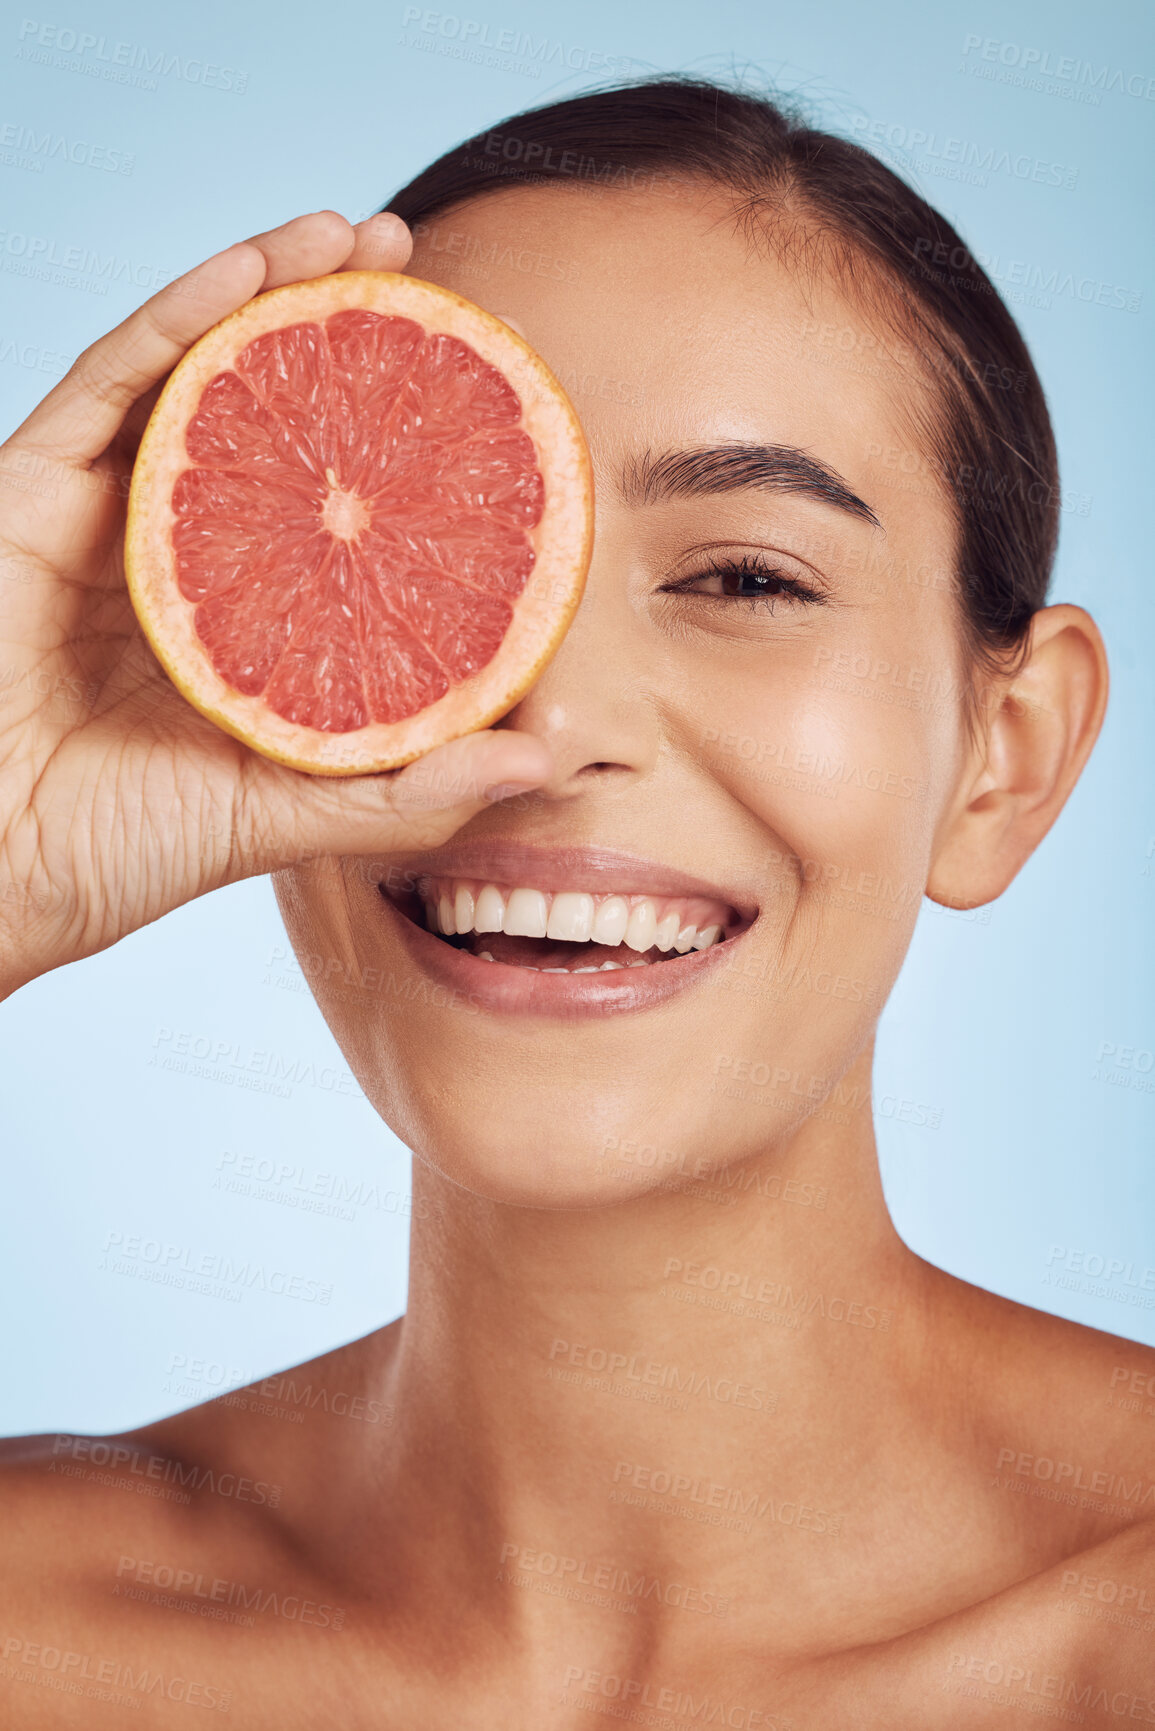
<point>118,800</point>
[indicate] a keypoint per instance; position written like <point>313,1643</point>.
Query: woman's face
<point>772,752</point>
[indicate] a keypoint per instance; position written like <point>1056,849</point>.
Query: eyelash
<point>749,566</point>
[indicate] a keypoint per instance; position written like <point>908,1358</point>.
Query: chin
<point>542,1131</point>
<point>578,1144</point>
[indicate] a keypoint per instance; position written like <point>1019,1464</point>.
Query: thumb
<point>414,808</point>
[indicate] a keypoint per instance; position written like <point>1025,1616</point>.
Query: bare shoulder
<point>131,1562</point>
<point>1072,1643</point>
<point>1069,1413</point>
<point>228,1459</point>
<point>1062,1434</point>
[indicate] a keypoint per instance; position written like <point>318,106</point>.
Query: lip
<point>562,868</point>
<point>506,990</point>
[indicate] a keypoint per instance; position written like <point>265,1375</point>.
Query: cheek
<point>842,769</point>
<point>842,757</point>
<point>362,999</point>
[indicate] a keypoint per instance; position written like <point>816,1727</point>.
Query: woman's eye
<point>754,583</point>
<point>747,580</point>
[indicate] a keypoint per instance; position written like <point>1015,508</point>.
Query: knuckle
<point>101,370</point>
<point>422,827</point>
<point>434,787</point>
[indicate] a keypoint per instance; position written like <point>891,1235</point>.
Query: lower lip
<point>514,991</point>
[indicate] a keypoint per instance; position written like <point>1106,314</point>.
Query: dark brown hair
<point>990,445</point>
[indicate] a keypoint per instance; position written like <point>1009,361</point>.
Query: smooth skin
<point>898,1568</point>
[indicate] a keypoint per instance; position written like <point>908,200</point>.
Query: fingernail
<point>507,789</point>
<point>384,225</point>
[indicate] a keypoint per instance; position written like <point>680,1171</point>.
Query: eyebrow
<point>697,471</point>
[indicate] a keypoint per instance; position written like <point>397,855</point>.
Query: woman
<point>676,1429</point>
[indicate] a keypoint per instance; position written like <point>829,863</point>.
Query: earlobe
<point>1037,733</point>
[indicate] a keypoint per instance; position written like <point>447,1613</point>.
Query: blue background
<point>1003,1132</point>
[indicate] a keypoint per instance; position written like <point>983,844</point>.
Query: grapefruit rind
<point>562,540</point>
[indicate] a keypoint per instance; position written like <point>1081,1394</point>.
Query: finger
<point>382,243</point>
<point>126,441</point>
<point>306,247</point>
<point>419,806</point>
<point>469,773</point>
<point>78,418</point>
<point>290,252</point>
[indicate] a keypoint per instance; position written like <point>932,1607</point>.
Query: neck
<point>645,1385</point>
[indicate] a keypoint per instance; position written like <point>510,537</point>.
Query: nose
<point>595,705</point>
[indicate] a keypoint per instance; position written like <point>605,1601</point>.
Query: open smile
<point>536,929</point>
<point>569,931</point>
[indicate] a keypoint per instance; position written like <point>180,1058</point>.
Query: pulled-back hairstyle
<point>990,445</point>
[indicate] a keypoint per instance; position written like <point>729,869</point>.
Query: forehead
<point>666,324</point>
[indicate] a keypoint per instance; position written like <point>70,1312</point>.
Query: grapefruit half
<point>360,521</point>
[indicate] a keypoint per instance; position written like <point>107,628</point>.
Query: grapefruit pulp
<point>360,521</point>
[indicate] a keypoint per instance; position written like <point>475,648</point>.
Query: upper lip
<point>599,870</point>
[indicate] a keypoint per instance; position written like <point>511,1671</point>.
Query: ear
<point>1038,730</point>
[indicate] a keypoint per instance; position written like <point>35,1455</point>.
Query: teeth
<point>571,917</point>
<point>484,956</point>
<point>463,908</point>
<point>610,920</point>
<point>643,924</point>
<point>489,915</point>
<point>525,914</point>
<point>639,923</point>
<point>667,931</point>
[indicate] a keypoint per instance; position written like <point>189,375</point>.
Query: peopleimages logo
<point>120,1682</point>
<point>1035,64</point>
<point>239,1065</point>
<point>1066,1693</point>
<point>73,266</point>
<point>189,1585</point>
<point>637,1368</point>
<point>630,1695</point>
<point>475,34</point>
<point>174,1264</point>
<point>295,1186</point>
<point>119,62</point>
<point>1071,1476</point>
<point>23,147</point>
<point>163,1469</point>
<point>613,1577</point>
<point>1018,278</point>
<point>661,1482</point>
<point>960,158</point>
<point>1101,1267</point>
